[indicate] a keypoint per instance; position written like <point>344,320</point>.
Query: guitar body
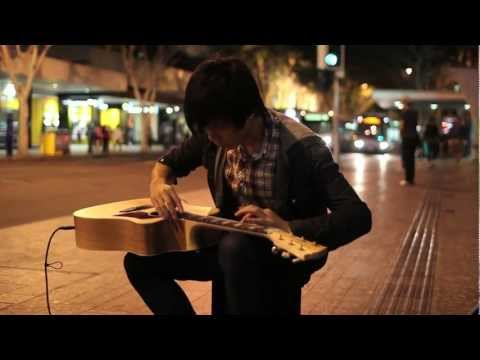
<point>135,226</point>
<point>104,227</point>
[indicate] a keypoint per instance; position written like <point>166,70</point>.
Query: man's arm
<point>178,162</point>
<point>163,173</point>
<point>350,217</point>
<point>183,159</point>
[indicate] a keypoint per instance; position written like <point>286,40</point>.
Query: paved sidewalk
<point>351,282</point>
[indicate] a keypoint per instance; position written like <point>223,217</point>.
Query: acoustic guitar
<point>135,226</point>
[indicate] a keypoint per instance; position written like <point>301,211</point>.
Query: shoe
<point>406,183</point>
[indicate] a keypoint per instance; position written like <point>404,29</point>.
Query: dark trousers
<point>9,145</point>
<point>247,278</point>
<point>408,158</point>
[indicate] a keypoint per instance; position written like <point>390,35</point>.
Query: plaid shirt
<point>251,176</point>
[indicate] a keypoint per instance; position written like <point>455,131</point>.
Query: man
<point>263,168</point>
<point>9,136</point>
<point>410,141</point>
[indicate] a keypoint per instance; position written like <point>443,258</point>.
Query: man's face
<point>224,134</point>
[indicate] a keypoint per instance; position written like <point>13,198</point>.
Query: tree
<point>144,66</point>
<point>427,61</point>
<point>356,98</point>
<point>21,64</point>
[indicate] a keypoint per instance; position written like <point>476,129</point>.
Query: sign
<point>372,120</point>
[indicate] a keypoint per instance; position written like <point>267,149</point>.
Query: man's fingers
<point>170,205</point>
<point>249,209</point>
<point>171,211</point>
<point>246,218</point>
<point>241,211</point>
<point>155,203</point>
<point>258,221</point>
<point>177,200</point>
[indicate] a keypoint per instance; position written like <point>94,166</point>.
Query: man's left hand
<point>266,217</point>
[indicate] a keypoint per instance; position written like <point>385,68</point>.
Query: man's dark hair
<point>221,89</point>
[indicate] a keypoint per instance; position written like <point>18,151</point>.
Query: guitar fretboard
<point>227,223</point>
<point>212,220</point>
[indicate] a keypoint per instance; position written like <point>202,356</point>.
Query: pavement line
<point>376,309</point>
<point>413,276</point>
<point>429,265</point>
<point>412,245</point>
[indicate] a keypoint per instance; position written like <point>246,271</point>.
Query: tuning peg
<point>275,250</point>
<point>296,260</point>
<point>285,255</point>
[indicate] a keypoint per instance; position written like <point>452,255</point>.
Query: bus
<point>370,134</point>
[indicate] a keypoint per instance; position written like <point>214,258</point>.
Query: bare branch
<point>8,64</point>
<point>41,58</point>
<point>31,68</point>
<point>128,62</point>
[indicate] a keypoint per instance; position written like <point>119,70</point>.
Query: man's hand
<point>165,199</point>
<point>266,217</point>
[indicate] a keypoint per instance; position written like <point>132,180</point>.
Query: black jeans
<point>408,158</point>
<point>254,280</point>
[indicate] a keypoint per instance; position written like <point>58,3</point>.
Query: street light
<point>409,71</point>
<point>9,91</point>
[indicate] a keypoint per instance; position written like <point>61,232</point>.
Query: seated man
<point>263,168</point>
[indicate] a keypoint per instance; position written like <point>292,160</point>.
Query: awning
<point>386,98</point>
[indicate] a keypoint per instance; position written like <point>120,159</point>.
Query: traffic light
<point>329,57</point>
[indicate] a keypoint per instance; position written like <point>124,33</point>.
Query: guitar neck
<point>226,224</point>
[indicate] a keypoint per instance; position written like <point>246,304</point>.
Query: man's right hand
<point>165,199</point>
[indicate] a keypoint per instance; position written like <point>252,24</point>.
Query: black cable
<point>57,265</point>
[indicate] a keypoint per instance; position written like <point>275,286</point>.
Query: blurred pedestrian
<point>117,138</point>
<point>455,139</point>
<point>105,138</point>
<point>9,135</point>
<point>90,137</point>
<point>466,133</point>
<point>410,141</point>
<point>98,136</point>
<point>431,139</point>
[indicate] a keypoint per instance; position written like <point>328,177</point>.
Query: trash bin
<point>48,144</point>
<point>55,142</point>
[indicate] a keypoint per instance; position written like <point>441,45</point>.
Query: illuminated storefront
<point>74,114</point>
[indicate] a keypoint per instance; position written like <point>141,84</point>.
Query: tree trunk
<point>145,141</point>
<point>23,125</point>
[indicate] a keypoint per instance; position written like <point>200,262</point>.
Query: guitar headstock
<point>296,246</point>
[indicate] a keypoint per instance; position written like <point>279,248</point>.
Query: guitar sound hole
<point>136,215</point>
